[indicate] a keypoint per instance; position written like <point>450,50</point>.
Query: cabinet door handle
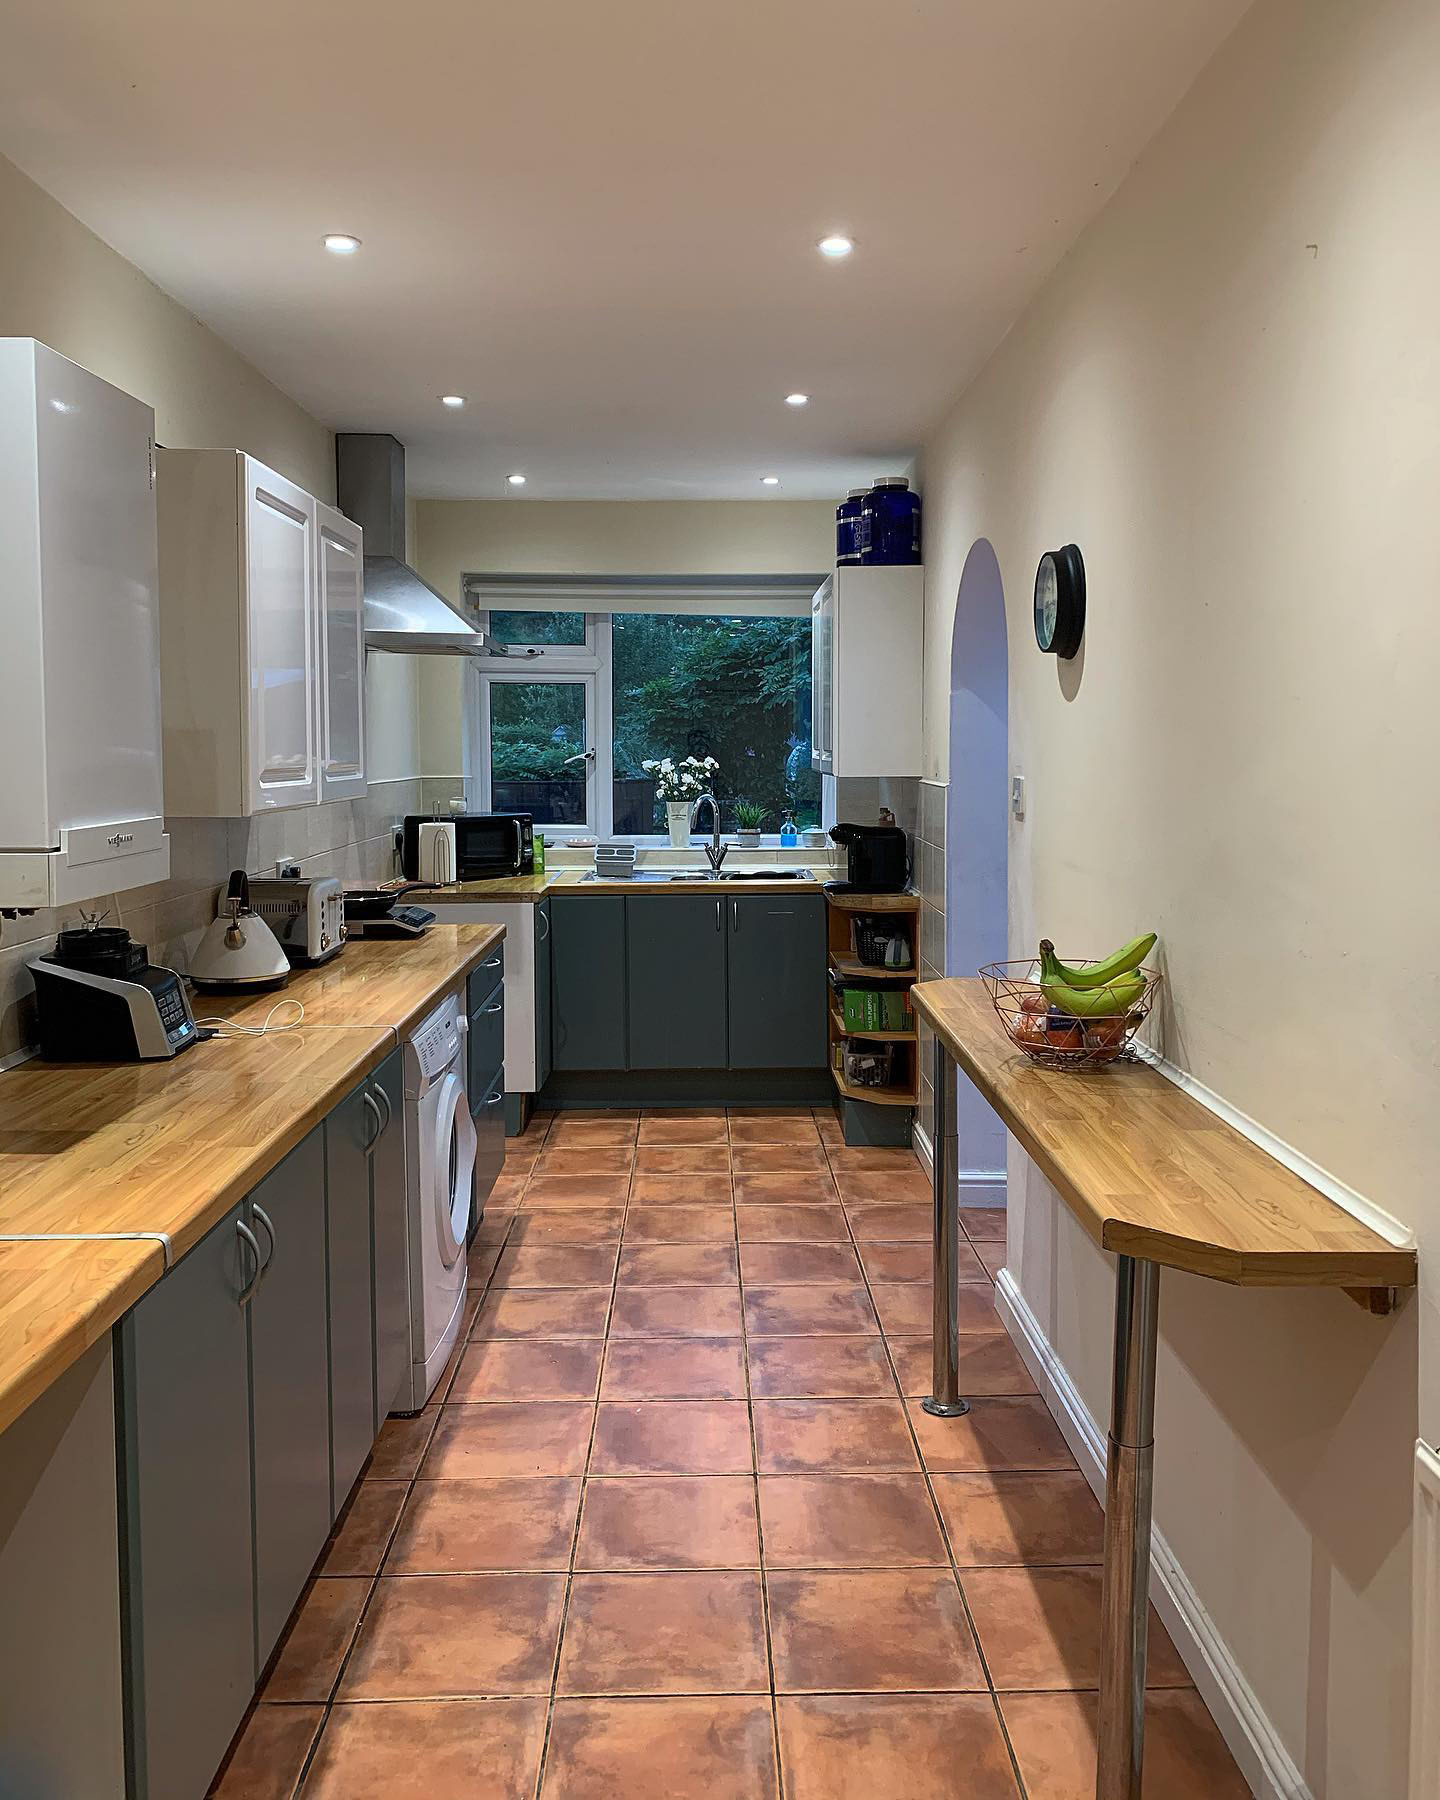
<point>385,1107</point>
<point>543,920</point>
<point>247,1236</point>
<point>719,915</point>
<point>269,1224</point>
<point>735,913</point>
<point>372,1106</point>
<point>490,1011</point>
<point>494,963</point>
<point>496,1099</point>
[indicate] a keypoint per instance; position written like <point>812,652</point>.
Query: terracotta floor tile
<point>436,1636</point>
<point>857,1158</point>
<point>722,1748</point>
<point>1021,1518</point>
<point>1040,1628</point>
<point>676,1312</point>
<point>870,1222</point>
<point>800,1437</point>
<point>791,1265</point>
<point>592,1161</point>
<point>678,1265</point>
<point>544,1438</point>
<point>1185,1755</point>
<point>778,1159</point>
<point>682,1159</point>
<point>773,1130</point>
<point>895,1747</point>
<point>511,1369</point>
<point>401,1444</point>
<point>494,1225</point>
<point>681,1190</point>
<point>889,1187</point>
<point>913,1262</point>
<point>664,1634</point>
<point>475,1527</point>
<point>820,1369</point>
<point>996,1433</point>
<point>809,1311</point>
<point>992,1258</point>
<point>429,1750</point>
<point>905,1307</point>
<point>875,1632</point>
<point>567,1225</point>
<point>848,1522</point>
<point>984,1224</point>
<point>481,1266</point>
<point>672,1437</point>
<point>989,1363</point>
<point>608,1133</point>
<point>521,1154</point>
<point>680,1225</point>
<point>694,1126</point>
<point>269,1754</point>
<point>314,1647</point>
<point>790,1224</point>
<point>529,1312</point>
<point>507,1188</point>
<point>557,1266</point>
<point>575,1190</point>
<point>813,1189</point>
<point>674,1369</point>
<point>358,1544</point>
<point>669,1522</point>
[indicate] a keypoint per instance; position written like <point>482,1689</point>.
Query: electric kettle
<point>239,951</point>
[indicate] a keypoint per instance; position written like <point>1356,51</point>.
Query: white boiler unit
<point>80,749</point>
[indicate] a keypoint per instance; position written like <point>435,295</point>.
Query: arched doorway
<point>977,831</point>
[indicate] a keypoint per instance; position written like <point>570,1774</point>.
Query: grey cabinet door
<point>777,981</point>
<point>544,983</point>
<point>186,1571</point>
<point>485,1052</point>
<point>488,1113</point>
<point>351,1130</point>
<point>289,1387</point>
<point>676,959</point>
<point>587,945</point>
<point>390,1250</point>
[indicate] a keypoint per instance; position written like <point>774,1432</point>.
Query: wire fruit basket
<point>1053,1037</point>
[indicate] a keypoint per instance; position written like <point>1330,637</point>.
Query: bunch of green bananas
<point>1099,989</point>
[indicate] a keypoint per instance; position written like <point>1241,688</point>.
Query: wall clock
<point>1060,601</point>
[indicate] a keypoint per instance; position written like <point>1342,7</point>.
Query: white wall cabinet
<point>261,640</point>
<point>866,695</point>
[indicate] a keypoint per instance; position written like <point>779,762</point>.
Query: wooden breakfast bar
<point>1163,1182</point>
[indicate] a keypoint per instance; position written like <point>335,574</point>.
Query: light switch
<point>1017,796</point>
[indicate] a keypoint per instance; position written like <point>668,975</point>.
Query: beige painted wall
<point>1229,396</point>
<point>454,538</point>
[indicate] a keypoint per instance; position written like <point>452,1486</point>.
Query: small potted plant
<point>680,785</point>
<point>750,818</point>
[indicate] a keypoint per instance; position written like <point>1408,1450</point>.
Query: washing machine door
<point>454,1169</point>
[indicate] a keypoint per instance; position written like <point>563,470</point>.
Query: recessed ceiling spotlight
<point>797,399</point>
<point>340,243</point>
<point>452,399</point>
<point>769,481</point>
<point>835,246</point>
<point>516,480</point>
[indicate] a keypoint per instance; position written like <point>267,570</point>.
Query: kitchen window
<point>569,706</point>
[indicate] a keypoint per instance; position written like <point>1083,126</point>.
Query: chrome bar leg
<point>1129,1482</point>
<point>944,1400</point>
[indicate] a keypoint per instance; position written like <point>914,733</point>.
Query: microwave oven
<point>486,844</point>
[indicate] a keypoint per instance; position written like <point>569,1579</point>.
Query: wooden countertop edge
<point>1383,1266</point>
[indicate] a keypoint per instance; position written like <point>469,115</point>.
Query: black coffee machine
<point>879,859</point>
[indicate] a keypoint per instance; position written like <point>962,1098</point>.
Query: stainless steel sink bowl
<point>766,875</point>
<point>666,876</point>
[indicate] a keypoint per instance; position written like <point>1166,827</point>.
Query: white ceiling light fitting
<point>797,399</point>
<point>452,400</point>
<point>515,480</point>
<point>340,243</point>
<point>769,481</point>
<point>835,246</point>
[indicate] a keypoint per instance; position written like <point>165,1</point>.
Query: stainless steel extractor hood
<point>402,612</point>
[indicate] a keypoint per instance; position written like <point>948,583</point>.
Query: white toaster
<point>306,913</point>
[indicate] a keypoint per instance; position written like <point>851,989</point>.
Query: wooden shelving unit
<point>841,913</point>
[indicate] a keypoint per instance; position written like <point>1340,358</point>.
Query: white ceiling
<point>597,218</point>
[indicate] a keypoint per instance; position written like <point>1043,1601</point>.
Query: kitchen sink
<point>672,875</point>
<point>767,875</point>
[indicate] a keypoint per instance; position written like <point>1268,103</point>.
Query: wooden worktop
<point>170,1146</point>
<point>1150,1172</point>
<point>536,887</point>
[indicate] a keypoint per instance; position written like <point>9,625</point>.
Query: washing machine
<point>441,1178</point>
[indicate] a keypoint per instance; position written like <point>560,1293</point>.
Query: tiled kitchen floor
<point>675,1524</point>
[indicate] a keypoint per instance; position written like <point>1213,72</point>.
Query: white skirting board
<point>1425,1663</point>
<point>1263,1759</point>
<point>978,1187</point>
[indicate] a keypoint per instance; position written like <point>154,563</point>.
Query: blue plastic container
<point>849,520</point>
<point>893,516</point>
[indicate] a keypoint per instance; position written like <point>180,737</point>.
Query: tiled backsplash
<point>930,880</point>
<point>354,839</point>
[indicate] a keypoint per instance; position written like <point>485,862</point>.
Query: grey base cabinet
<point>390,1239</point>
<point>587,965</point>
<point>351,1132</point>
<point>187,1581</point>
<point>675,987</point>
<point>777,981</point>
